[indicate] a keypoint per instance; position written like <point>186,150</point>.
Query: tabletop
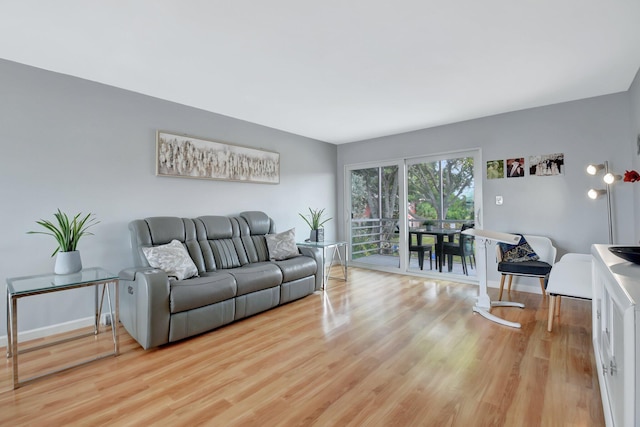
<point>17,286</point>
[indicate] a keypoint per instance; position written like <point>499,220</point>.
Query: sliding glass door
<point>375,208</point>
<point>441,199</point>
<point>388,201</point>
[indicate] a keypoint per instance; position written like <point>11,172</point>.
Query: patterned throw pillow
<point>282,245</point>
<point>171,258</point>
<point>518,253</point>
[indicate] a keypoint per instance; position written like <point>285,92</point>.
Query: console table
<point>324,246</point>
<point>22,287</point>
<point>616,335</point>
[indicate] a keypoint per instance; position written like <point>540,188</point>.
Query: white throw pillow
<point>282,245</point>
<point>173,259</point>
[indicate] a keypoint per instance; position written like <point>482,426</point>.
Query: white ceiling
<point>336,70</point>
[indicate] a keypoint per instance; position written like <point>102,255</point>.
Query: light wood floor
<point>379,350</point>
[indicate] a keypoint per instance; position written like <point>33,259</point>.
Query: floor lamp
<point>484,303</point>
<point>609,178</point>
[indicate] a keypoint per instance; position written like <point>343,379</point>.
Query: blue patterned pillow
<point>518,253</point>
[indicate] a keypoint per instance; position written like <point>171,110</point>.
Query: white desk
<point>484,303</point>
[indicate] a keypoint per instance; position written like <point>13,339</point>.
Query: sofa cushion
<point>201,291</point>
<point>297,268</point>
<point>173,259</point>
<point>256,276</point>
<point>282,245</point>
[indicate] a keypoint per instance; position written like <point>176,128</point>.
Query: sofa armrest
<point>316,254</point>
<point>144,305</point>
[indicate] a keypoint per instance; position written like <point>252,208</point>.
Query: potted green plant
<point>315,222</point>
<point>67,233</point>
<point>429,223</point>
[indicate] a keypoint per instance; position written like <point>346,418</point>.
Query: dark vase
<point>317,235</point>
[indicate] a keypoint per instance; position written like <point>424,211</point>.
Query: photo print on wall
<point>495,169</point>
<point>546,165</point>
<point>515,167</point>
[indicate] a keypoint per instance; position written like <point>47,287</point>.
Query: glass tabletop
<point>323,244</point>
<point>51,281</point>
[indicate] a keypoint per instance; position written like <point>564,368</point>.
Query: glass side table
<point>336,248</point>
<point>21,287</point>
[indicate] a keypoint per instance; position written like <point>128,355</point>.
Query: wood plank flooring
<point>379,350</point>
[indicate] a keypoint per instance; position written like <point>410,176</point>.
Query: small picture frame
<point>495,169</point>
<point>546,165</point>
<point>515,167</point>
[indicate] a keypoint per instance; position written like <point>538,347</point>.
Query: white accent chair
<point>543,247</point>
<point>569,277</point>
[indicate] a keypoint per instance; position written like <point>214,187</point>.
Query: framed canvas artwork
<point>190,157</point>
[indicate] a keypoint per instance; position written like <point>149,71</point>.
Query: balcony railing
<point>379,236</point>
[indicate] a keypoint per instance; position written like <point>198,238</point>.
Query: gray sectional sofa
<point>236,276</point>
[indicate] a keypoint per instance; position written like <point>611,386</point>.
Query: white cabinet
<point>616,335</point>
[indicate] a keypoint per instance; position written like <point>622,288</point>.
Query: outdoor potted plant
<point>429,224</point>
<point>67,233</point>
<point>315,222</point>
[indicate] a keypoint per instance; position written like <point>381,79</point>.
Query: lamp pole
<point>609,216</point>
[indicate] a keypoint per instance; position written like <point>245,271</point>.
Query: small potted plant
<point>315,222</point>
<point>67,233</point>
<point>429,224</point>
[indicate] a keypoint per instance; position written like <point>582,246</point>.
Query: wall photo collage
<point>538,165</point>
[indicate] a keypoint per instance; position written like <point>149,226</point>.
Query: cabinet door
<point>615,366</point>
<point>596,307</point>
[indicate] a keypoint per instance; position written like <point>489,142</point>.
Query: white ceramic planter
<point>68,262</point>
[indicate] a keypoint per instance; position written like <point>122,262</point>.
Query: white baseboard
<point>56,329</point>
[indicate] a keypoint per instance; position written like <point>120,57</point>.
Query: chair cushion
<point>525,268</point>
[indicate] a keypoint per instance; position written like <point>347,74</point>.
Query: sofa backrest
<point>220,243</point>
<point>254,226</point>
<point>213,242</point>
<point>160,230</point>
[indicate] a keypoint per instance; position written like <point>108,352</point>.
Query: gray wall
<point>586,131</point>
<point>634,99</point>
<point>81,146</point>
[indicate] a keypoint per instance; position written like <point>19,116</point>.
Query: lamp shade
<point>610,178</point>
<point>593,169</point>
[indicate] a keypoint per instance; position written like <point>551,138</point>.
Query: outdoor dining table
<point>440,233</point>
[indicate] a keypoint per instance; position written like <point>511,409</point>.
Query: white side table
<point>335,248</point>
